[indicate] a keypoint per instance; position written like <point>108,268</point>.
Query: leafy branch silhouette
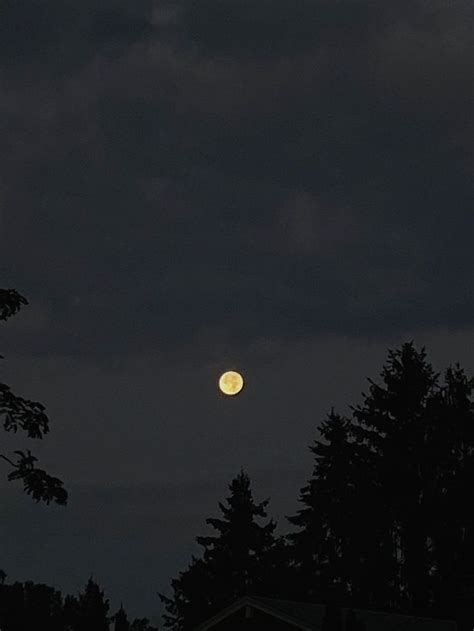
<point>28,416</point>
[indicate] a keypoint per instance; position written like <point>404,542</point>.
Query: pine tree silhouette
<point>13,615</point>
<point>24,605</point>
<point>331,550</point>
<point>394,421</point>
<point>232,561</point>
<point>43,606</point>
<point>386,519</point>
<point>451,463</point>
<point>120,620</point>
<point>70,613</point>
<point>92,609</point>
<point>37,606</point>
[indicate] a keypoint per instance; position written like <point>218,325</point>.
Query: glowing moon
<point>231,382</point>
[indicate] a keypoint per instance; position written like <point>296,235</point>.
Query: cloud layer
<point>256,169</point>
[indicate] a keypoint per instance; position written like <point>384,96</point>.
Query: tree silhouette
<point>92,609</point>
<point>331,552</point>
<point>34,605</point>
<point>386,518</point>
<point>421,434</point>
<point>30,605</point>
<point>276,576</point>
<point>451,462</point>
<point>120,620</point>
<point>70,613</point>
<point>231,563</point>
<point>43,606</point>
<point>314,547</point>
<point>12,609</point>
<point>395,421</point>
<point>28,416</point>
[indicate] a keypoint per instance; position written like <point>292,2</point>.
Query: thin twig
<point>13,464</point>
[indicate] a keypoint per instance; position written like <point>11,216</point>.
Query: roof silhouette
<point>309,616</point>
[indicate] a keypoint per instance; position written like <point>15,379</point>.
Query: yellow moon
<point>231,382</point>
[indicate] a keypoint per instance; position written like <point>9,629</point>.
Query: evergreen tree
<point>386,518</point>
<point>315,546</point>
<point>26,605</point>
<point>34,605</point>
<point>241,545</point>
<point>120,620</point>
<point>394,420</point>
<point>92,609</point>
<point>331,551</point>
<point>277,576</point>
<point>70,613</point>
<point>452,474</point>
<point>12,609</point>
<point>232,560</point>
<point>43,606</point>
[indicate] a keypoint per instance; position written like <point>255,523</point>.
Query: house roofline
<point>268,609</point>
<point>346,608</point>
<point>249,600</point>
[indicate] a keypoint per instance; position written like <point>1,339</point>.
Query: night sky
<point>278,186</point>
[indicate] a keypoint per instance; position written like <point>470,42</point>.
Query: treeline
<point>386,519</point>
<point>37,606</point>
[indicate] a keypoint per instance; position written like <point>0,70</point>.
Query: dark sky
<point>280,186</point>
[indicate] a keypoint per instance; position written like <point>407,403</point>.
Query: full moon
<point>231,382</point>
